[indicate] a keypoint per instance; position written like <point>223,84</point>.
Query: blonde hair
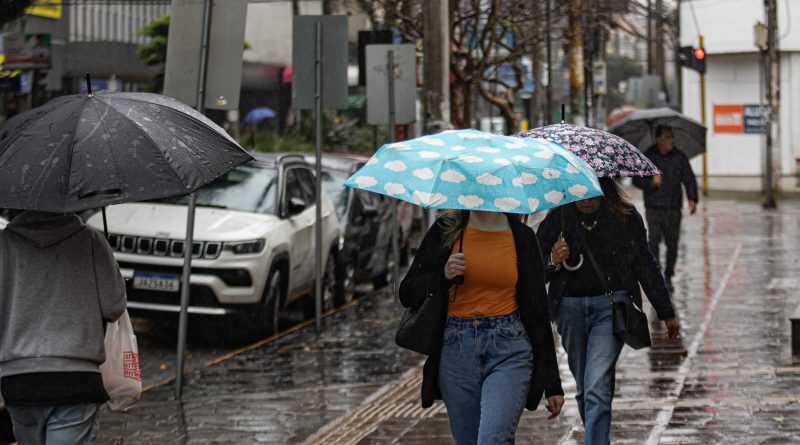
<point>452,224</point>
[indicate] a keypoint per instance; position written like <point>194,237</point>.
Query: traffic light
<point>693,58</point>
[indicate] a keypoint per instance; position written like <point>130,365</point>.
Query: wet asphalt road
<point>730,379</point>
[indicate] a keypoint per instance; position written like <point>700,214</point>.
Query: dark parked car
<point>365,227</point>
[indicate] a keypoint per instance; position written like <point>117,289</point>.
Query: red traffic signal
<point>693,58</point>
<point>699,53</point>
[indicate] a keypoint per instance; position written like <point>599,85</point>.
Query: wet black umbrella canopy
<point>88,151</point>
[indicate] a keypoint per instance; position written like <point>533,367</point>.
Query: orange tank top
<point>490,276</point>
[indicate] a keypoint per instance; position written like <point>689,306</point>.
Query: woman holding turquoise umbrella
<point>478,278</point>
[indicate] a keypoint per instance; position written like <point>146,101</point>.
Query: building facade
<point>735,91</point>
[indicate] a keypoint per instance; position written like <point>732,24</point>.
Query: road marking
<point>668,404</point>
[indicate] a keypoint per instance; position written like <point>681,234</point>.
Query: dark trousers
<point>665,224</point>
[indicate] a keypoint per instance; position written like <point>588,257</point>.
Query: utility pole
<point>436,68</point>
<point>659,41</point>
<point>704,186</point>
<point>649,36</point>
<point>536,61</point>
<point>576,68</point>
<point>772,91</point>
<point>676,22</point>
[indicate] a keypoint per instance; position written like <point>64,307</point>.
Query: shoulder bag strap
<point>595,266</point>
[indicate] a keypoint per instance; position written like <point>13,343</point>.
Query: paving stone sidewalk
<point>730,379</point>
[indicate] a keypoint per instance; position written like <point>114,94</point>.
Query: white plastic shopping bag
<point>121,376</point>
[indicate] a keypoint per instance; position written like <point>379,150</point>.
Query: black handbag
<point>630,323</point>
<point>419,329</point>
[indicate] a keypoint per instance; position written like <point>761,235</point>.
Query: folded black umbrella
<point>638,128</point>
<point>81,152</point>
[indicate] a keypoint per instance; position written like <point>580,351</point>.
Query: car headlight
<point>245,247</point>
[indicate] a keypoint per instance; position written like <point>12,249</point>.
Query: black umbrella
<point>638,128</point>
<point>89,151</point>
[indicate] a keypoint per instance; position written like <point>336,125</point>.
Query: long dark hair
<point>615,200</point>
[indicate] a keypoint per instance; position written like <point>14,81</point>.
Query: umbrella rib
<point>111,151</point>
<point>158,124</point>
<point>152,142</point>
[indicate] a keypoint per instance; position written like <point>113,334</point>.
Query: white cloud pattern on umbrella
<point>488,179</point>
<point>452,176</point>
<point>396,166</point>
<point>424,173</point>
<point>469,169</point>
<point>470,201</point>
<point>554,197</point>
<point>506,204</point>
<point>578,190</point>
<point>431,199</point>
<point>394,188</point>
<point>366,181</point>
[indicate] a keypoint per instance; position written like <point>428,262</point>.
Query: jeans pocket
<point>450,335</point>
<point>511,331</point>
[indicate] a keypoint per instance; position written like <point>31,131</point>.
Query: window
<point>308,184</point>
<point>293,189</point>
<point>246,188</point>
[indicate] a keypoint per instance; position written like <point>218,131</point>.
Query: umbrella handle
<point>573,268</point>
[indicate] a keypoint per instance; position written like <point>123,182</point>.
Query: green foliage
<point>340,133</point>
<point>154,51</point>
<point>267,141</point>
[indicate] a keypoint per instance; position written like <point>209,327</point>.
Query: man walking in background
<point>663,198</point>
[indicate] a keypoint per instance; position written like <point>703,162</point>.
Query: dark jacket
<point>634,261</point>
<point>676,170</point>
<point>425,279</point>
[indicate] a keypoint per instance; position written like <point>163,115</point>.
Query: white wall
<point>269,30</point>
<point>733,77</point>
<point>730,79</point>
<point>727,25</point>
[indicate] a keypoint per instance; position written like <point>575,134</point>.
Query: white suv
<point>254,244</point>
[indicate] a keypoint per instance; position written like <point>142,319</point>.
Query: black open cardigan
<point>425,279</point>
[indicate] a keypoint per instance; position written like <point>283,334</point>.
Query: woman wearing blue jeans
<point>494,353</point>
<point>581,304</point>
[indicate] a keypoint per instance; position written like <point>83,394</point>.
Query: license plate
<point>155,281</point>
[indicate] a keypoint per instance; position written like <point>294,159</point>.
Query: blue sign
<point>753,119</point>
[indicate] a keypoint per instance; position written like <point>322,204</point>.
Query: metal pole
<point>318,225</point>
<point>771,75</point>
<point>395,225</point>
<point>183,317</point>
<point>549,118</point>
<point>703,121</point>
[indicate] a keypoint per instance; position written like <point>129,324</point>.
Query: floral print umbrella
<point>609,155</point>
<point>473,170</point>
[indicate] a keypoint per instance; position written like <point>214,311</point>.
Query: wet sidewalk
<point>730,379</point>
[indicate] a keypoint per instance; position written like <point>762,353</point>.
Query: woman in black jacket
<point>581,301</point>
<point>493,350</point>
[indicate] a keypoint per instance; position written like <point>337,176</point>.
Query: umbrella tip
<point>563,112</point>
<point>89,83</point>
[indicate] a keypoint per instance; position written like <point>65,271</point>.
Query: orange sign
<point>729,118</point>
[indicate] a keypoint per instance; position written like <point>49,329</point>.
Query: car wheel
<point>264,319</point>
<point>385,277</point>
<point>328,290</point>
<point>345,287</point>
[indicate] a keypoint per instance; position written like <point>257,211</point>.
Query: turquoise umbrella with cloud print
<point>474,170</point>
